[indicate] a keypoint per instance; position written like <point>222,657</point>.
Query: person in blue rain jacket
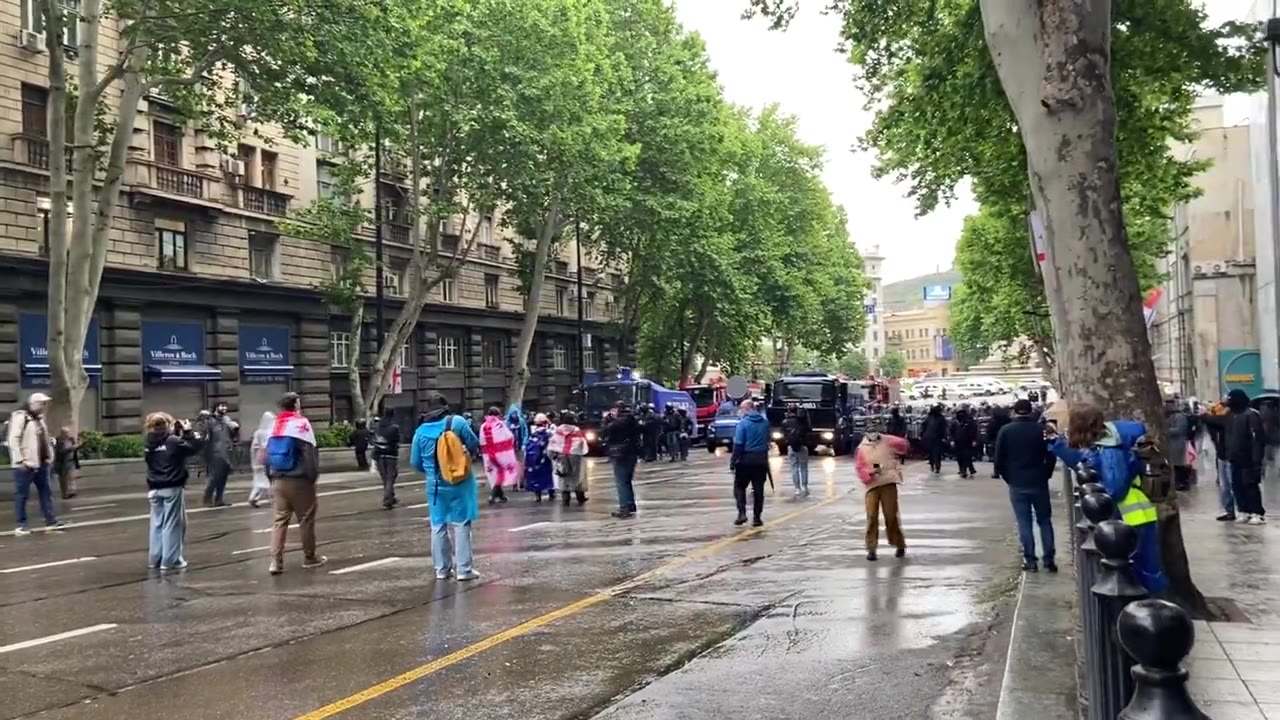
<point>537,466</point>
<point>453,507</point>
<point>1108,448</point>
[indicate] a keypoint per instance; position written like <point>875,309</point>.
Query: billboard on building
<point>943,348</point>
<point>937,293</point>
<point>1240,369</point>
<point>871,308</point>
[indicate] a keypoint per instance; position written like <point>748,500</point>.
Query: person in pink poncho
<point>880,470</point>
<point>567,450</point>
<point>498,450</point>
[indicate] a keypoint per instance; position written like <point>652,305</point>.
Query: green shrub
<point>123,447</point>
<point>342,433</point>
<point>328,439</point>
<point>93,444</point>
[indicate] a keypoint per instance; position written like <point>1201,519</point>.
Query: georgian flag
<point>1149,305</point>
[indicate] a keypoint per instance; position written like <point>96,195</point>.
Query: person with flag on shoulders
<point>498,450</point>
<point>442,450</point>
<point>567,449</point>
<point>293,465</point>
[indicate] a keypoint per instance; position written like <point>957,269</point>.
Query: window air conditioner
<point>32,40</point>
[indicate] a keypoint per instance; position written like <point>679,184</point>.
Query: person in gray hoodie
<point>220,439</point>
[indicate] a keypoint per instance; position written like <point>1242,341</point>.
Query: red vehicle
<point>707,397</point>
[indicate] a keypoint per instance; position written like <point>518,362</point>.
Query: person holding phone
<point>881,473</point>
<point>169,444</point>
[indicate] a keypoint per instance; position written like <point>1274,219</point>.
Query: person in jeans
<point>1244,443</point>
<point>750,463</point>
<point>622,436</point>
<point>452,506</point>
<point>30,454</point>
<point>1217,436</point>
<point>293,464</point>
<point>386,455</point>
<point>671,426</point>
<point>220,438</point>
<point>1024,462</point>
<point>169,444</point>
<point>796,429</point>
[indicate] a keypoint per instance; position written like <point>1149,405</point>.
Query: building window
<point>486,233</point>
<point>875,353</point>
<point>589,306</point>
<point>32,19</point>
<point>172,249</point>
<point>561,267</point>
<point>562,301</point>
<point>326,144</point>
<point>559,357</point>
<point>35,111</point>
<point>610,309</point>
<point>491,291</point>
<point>339,349</point>
<point>337,265</point>
<point>875,336</point>
<point>491,354</point>
<point>325,184</point>
<point>166,143</point>
<point>447,293</point>
<point>588,352</point>
<point>269,161</point>
<point>616,279</point>
<point>447,352</point>
<point>490,253</point>
<point>393,281</point>
<point>406,354</point>
<point>262,256</point>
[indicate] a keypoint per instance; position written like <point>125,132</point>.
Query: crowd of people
<point>545,454</point>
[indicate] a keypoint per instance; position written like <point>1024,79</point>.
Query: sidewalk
<point>1235,666</point>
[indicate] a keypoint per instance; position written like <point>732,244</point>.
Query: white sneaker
<point>1245,518</point>
<point>21,531</point>
<point>443,574</point>
<point>472,575</point>
<point>1257,520</point>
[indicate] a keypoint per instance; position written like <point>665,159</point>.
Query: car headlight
<point>828,435</point>
<point>777,435</point>
<point>591,436</point>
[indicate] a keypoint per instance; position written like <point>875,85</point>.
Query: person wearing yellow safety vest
<point>1108,448</point>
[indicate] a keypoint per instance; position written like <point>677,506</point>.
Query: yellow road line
<point>527,627</point>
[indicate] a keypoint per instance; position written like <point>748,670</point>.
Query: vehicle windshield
<point>727,411</point>
<point>601,396</point>
<point>804,391</point>
<point>702,396</point>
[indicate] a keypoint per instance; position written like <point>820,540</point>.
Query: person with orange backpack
<point>442,450</point>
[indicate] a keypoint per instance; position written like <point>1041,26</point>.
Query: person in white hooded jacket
<point>261,488</point>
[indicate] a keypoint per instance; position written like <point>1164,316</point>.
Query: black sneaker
<point>741,520</point>
<point>872,556</point>
<point>757,523</point>
<point>1030,566</point>
<point>900,552</point>
<point>1050,566</point>
<point>623,514</point>
<point>1226,517</point>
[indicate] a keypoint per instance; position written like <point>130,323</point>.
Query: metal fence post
<point>1097,508</point>
<point>1158,634</point>
<point>1116,587</point>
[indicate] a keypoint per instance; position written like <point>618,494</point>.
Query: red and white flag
<point>294,425</point>
<point>1149,305</point>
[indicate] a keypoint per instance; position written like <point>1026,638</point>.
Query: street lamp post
<point>379,288</point>
<point>582,368</point>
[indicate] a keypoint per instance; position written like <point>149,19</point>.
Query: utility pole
<point>1271,364</point>
<point>582,355</point>
<point>379,289</point>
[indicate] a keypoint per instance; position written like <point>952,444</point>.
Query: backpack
<point>4,437</point>
<point>283,455</point>
<point>453,463</point>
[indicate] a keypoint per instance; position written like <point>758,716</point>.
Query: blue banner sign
<point>264,354</point>
<point>33,336</point>
<point>871,308</point>
<point>174,344</point>
<point>943,348</point>
<point>937,293</point>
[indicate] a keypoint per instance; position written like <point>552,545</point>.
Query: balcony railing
<point>398,233</point>
<point>177,181</point>
<point>490,253</point>
<point>35,152</point>
<point>264,201</point>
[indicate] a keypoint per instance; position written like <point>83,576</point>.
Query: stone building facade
<point>204,299</point>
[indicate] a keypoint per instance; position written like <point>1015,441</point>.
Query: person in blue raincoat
<point>519,428</point>
<point>537,466</point>
<point>1108,448</point>
<point>453,507</point>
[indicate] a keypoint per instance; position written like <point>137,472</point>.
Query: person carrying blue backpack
<point>293,465</point>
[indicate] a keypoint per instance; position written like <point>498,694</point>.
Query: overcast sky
<point>800,70</point>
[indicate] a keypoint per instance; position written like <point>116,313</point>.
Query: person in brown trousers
<point>880,470</point>
<point>293,464</point>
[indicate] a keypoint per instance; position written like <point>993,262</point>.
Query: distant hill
<point>909,294</point>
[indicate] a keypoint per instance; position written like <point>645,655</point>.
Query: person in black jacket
<point>964,441</point>
<point>66,462</point>
<point>934,435</point>
<point>1244,441</point>
<point>671,425</point>
<point>796,428</point>
<point>999,418</point>
<point>622,438</point>
<point>1024,462</point>
<point>386,454</point>
<point>896,425</point>
<point>169,444</point>
<point>360,444</point>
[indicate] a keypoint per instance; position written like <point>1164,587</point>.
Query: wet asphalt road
<point>676,614</point>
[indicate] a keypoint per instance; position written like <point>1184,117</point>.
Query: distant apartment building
<point>873,339</point>
<point>922,336</point>
<point>205,300</point>
<point>1204,323</point>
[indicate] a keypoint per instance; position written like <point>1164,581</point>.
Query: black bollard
<point>1115,588</point>
<point>1097,507</point>
<point>1159,635</point>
